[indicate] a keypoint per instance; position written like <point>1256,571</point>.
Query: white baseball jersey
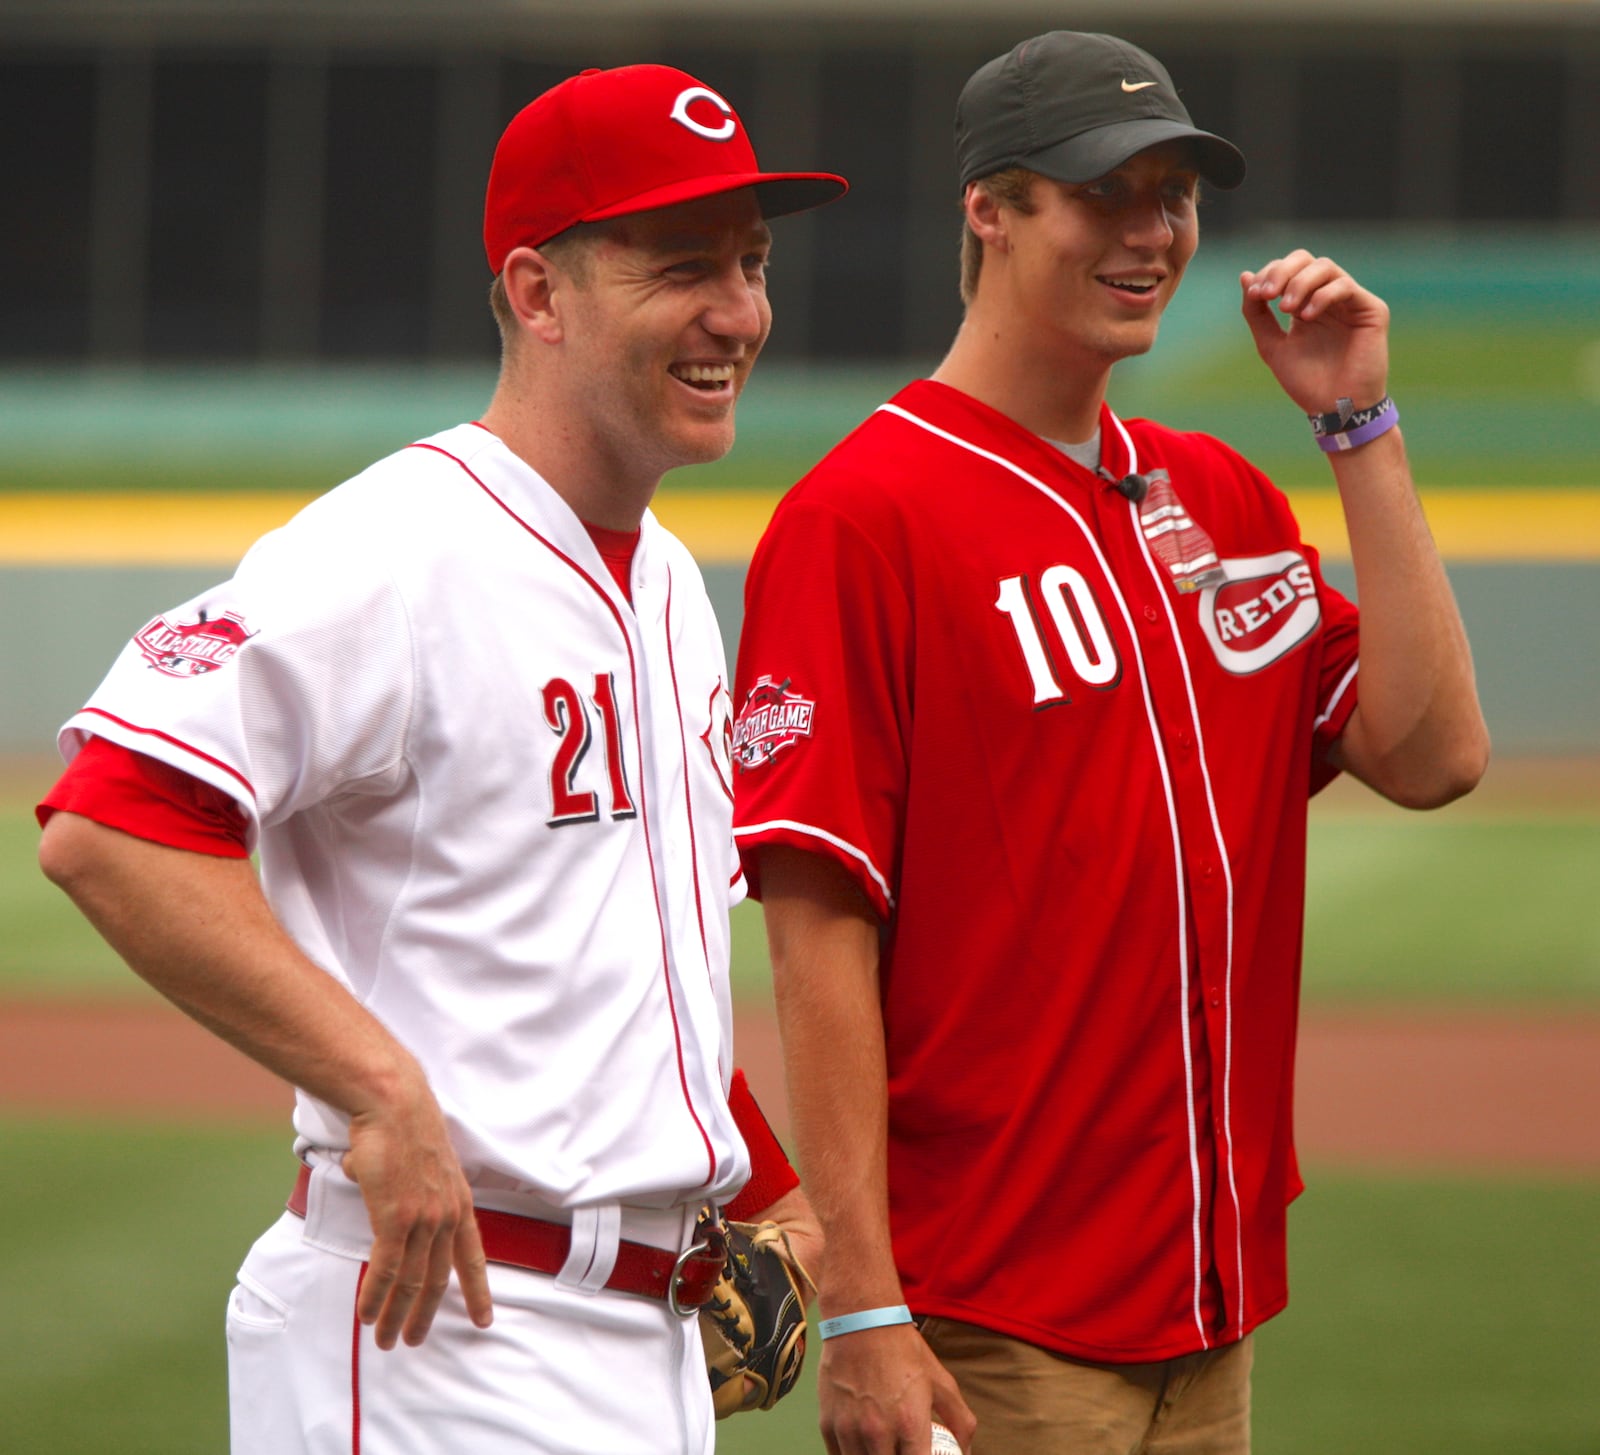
<point>491,798</point>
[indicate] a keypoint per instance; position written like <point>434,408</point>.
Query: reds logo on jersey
<point>773,718</point>
<point>193,648</point>
<point>1264,609</point>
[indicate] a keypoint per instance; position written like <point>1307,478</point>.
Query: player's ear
<point>532,283</point>
<point>985,216</point>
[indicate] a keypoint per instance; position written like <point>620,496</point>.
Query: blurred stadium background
<point>241,258</point>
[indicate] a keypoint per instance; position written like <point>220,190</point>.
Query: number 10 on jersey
<point>1079,626</point>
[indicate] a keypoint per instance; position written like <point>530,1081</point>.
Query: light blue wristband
<point>867,1318</point>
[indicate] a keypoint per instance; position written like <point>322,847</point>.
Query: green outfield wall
<point>122,492</point>
<point>1534,627</point>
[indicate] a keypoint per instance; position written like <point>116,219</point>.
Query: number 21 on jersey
<point>1079,627</point>
<point>567,715</point>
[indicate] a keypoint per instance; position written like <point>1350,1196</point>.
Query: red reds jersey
<point>1064,740</point>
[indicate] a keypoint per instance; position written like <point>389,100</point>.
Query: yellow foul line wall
<point>720,527</point>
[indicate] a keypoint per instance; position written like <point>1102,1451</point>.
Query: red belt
<point>684,1280</point>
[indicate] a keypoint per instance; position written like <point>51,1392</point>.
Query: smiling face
<point>660,325</point>
<point>1091,268</point>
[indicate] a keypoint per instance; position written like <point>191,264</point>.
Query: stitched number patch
<point>1079,628</point>
<point>566,714</point>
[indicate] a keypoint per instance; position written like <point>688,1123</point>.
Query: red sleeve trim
<point>149,799</point>
<point>134,727</point>
<point>771,1174</point>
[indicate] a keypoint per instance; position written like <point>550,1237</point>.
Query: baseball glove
<point>754,1324</point>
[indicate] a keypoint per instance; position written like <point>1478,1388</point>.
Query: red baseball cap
<point>607,143</point>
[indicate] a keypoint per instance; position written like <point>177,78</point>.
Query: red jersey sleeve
<point>149,799</point>
<point>771,1174</point>
<point>823,699</point>
<point>1336,684</point>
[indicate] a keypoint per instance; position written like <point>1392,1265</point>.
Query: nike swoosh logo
<point>1136,85</point>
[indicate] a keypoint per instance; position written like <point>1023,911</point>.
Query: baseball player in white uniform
<point>472,710</point>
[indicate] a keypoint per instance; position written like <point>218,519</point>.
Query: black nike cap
<point>1073,106</point>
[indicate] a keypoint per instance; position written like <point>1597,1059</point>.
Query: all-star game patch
<point>772,718</point>
<point>193,648</point>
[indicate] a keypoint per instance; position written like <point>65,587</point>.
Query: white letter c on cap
<point>680,113</point>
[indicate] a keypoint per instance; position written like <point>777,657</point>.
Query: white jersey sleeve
<point>283,687</point>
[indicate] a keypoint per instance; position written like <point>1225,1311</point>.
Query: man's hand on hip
<point>423,1223</point>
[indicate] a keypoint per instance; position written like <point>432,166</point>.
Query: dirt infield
<point>1454,1090</point>
<point>1446,1088</point>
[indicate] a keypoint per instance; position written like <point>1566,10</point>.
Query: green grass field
<point>1429,1317</point>
<point>1452,908</point>
<point>1399,908</point>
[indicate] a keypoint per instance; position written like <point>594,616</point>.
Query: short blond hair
<point>500,306</point>
<point>571,250</point>
<point>1011,188</point>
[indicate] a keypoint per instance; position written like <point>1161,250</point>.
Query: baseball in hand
<point>944,1443</point>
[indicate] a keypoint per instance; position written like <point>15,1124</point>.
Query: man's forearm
<point>878,1387</point>
<point>824,944</point>
<point>1418,735</point>
<point>197,928</point>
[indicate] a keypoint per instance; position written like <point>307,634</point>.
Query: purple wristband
<point>1351,427</point>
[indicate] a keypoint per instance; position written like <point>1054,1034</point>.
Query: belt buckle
<point>713,1244</point>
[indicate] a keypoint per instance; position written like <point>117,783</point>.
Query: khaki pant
<point>1030,1401</point>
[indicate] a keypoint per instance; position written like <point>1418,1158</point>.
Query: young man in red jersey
<point>1031,703</point>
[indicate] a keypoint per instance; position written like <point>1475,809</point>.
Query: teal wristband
<point>867,1318</point>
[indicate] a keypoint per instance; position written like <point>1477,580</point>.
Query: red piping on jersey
<point>688,798</point>
<point>176,742</point>
<point>644,810</point>
<point>355,1366</point>
<point>1227,880</point>
<point>1167,791</point>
